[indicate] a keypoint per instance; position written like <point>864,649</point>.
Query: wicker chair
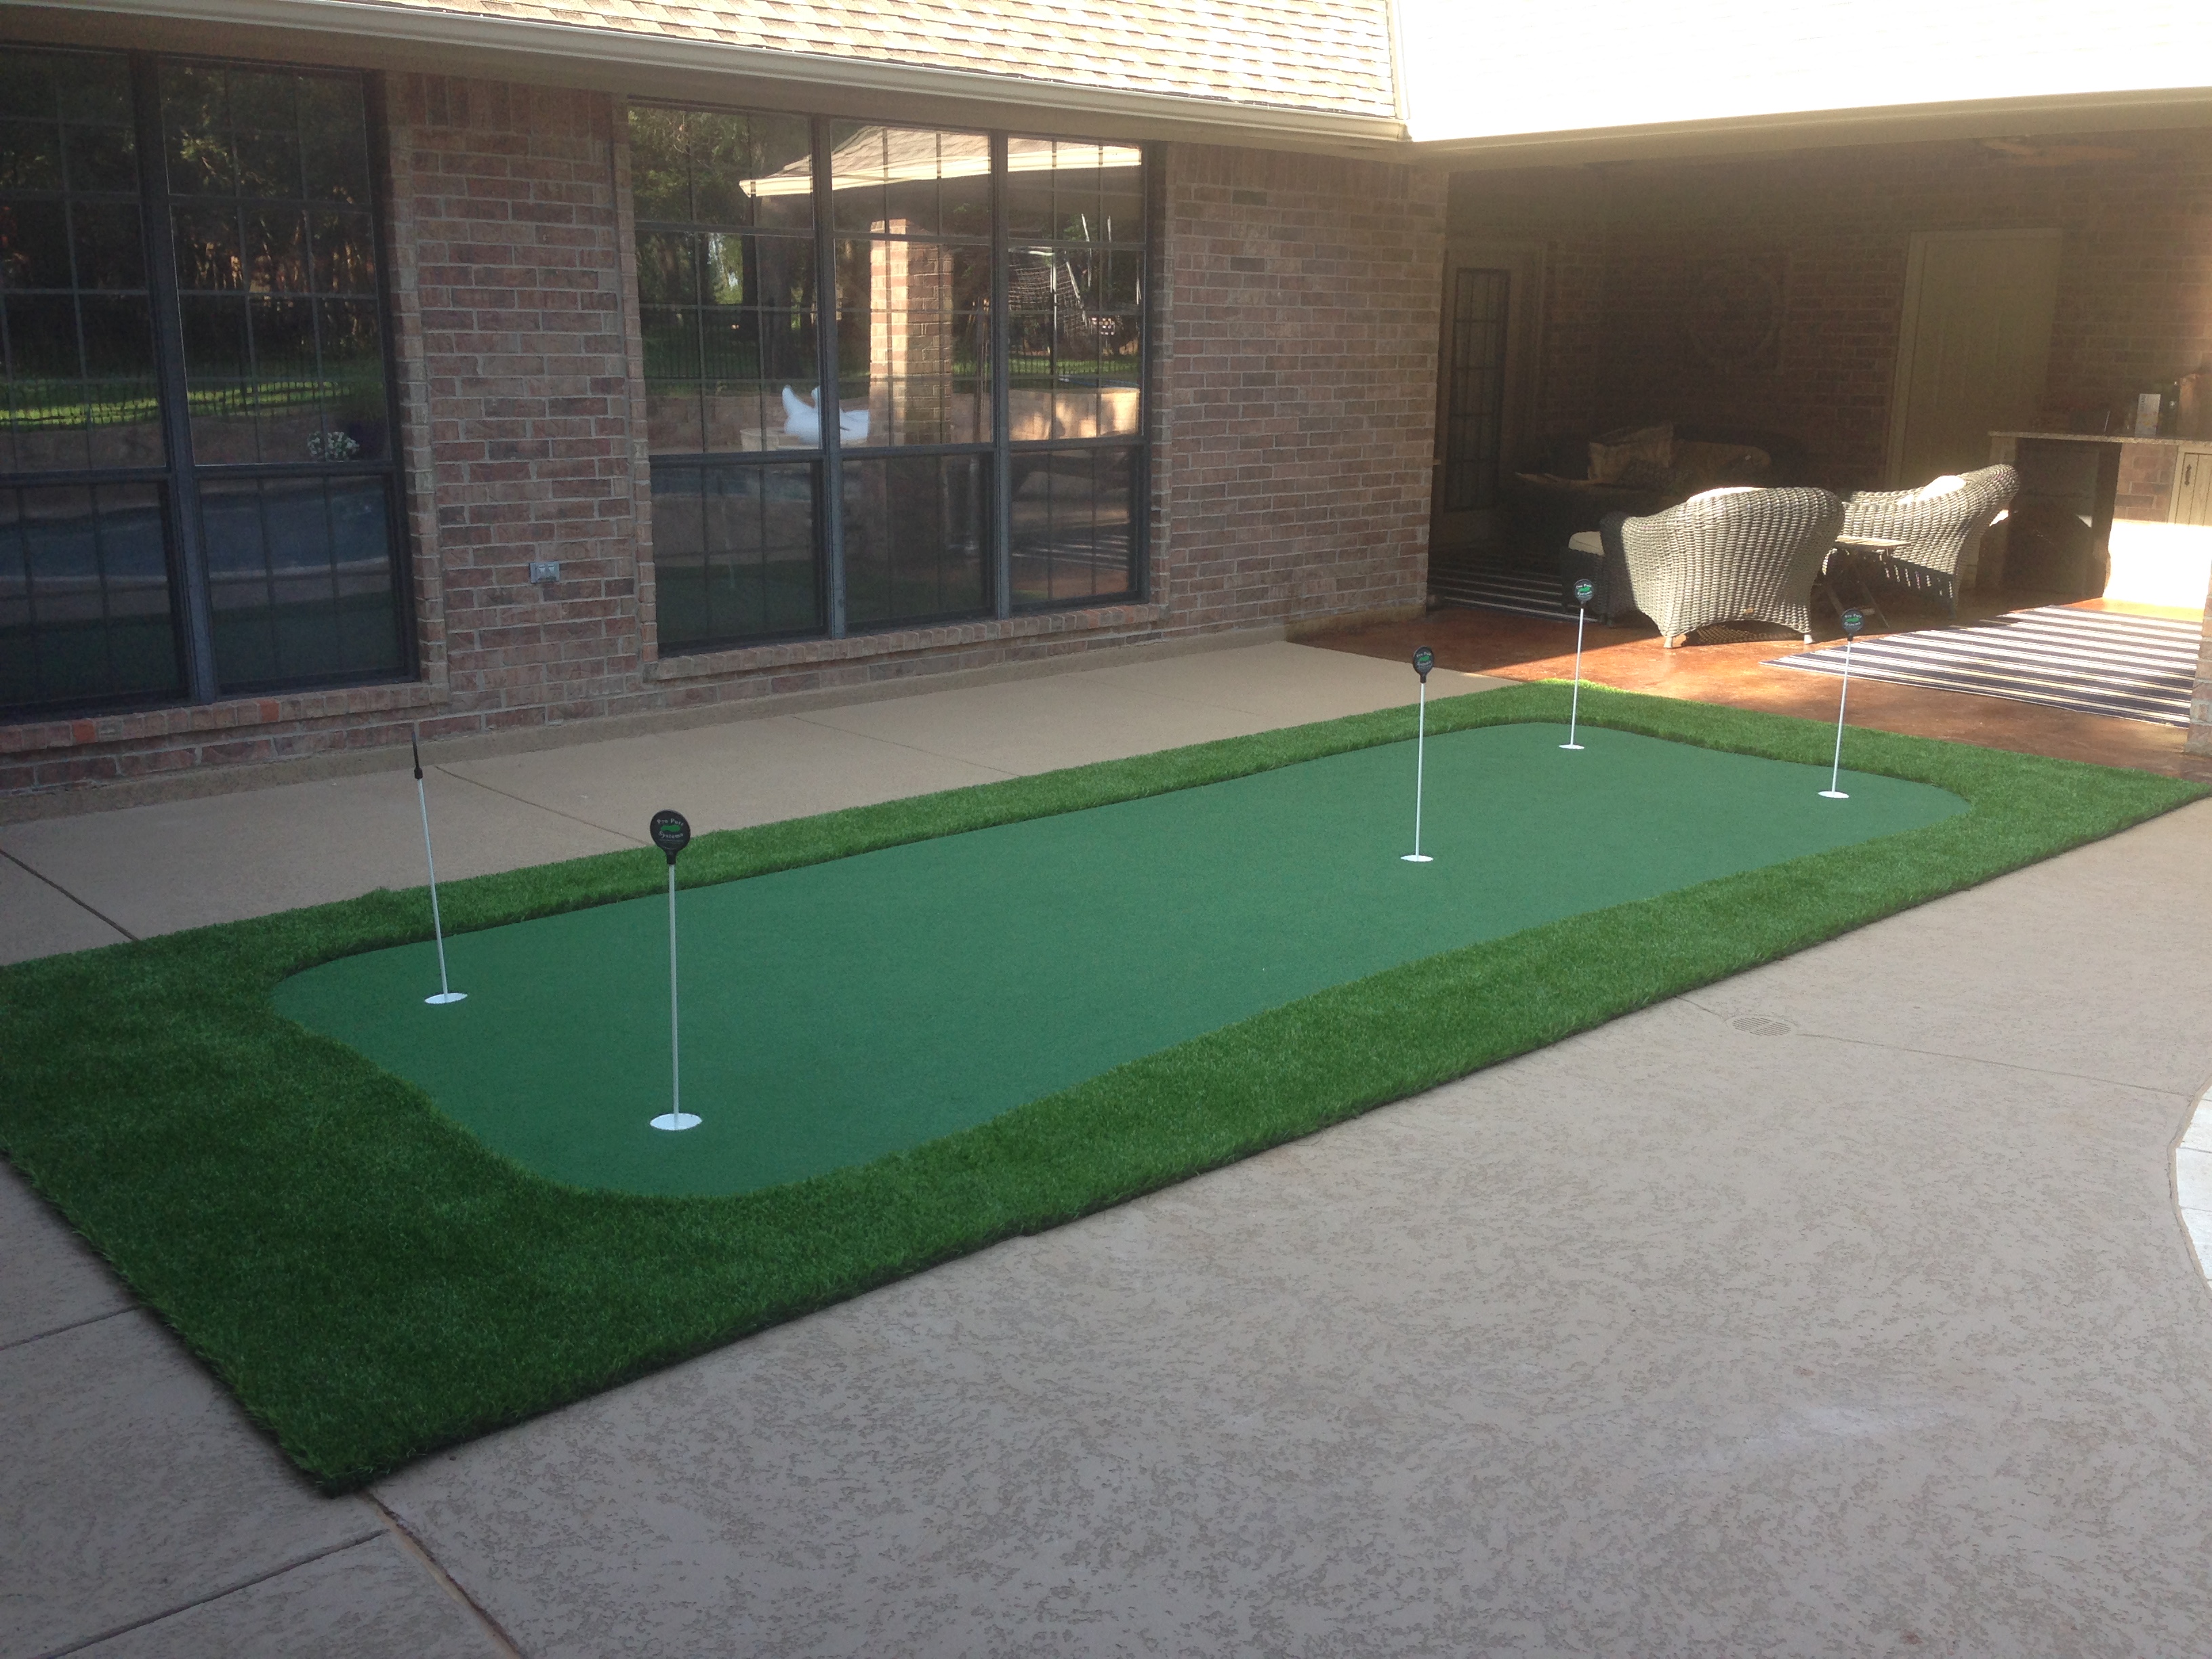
<point>1940,527</point>
<point>1727,555</point>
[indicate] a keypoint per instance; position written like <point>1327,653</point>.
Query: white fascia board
<point>1517,72</point>
<point>421,26</point>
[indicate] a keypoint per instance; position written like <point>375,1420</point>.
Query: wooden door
<point>1975,347</point>
<point>1486,376</point>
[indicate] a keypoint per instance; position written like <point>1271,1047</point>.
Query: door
<point>1974,349</point>
<point>1487,365</point>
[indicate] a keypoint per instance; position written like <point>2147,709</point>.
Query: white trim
<point>421,26</point>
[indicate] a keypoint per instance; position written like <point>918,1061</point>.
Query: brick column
<point>519,393</point>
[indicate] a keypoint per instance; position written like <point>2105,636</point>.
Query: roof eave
<point>421,27</point>
<point>1995,117</point>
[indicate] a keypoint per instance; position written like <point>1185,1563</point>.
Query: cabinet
<point>2192,486</point>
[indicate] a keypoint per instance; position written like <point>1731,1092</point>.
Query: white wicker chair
<point>1940,528</point>
<point>1727,556</point>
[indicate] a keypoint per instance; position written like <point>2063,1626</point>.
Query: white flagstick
<point>1424,660</point>
<point>671,834</point>
<point>1583,590</point>
<point>446,991</point>
<point>1852,623</point>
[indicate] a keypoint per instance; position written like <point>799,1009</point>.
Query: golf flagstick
<point>1424,660</point>
<point>1585,589</point>
<point>446,991</point>
<point>1853,621</point>
<point>672,834</point>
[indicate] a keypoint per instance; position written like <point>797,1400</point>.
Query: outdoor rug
<point>2093,662</point>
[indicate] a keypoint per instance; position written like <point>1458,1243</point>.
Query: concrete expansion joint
<point>74,1325</point>
<point>538,805</point>
<point>243,1584</point>
<point>40,875</point>
<point>412,1547</point>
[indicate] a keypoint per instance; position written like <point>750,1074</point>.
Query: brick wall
<point>1298,381</point>
<point>2135,301</point>
<point>1295,313</point>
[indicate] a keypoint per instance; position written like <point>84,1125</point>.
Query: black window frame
<point>181,476</point>
<point>1000,454</point>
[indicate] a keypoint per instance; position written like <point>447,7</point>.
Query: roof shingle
<point>1320,55</point>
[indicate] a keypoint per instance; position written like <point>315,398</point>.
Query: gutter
<point>422,27</point>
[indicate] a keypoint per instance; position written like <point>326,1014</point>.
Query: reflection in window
<point>914,537</point>
<point>300,572</point>
<point>1073,514</point>
<point>914,282</point>
<point>84,595</point>
<point>727,223</point>
<point>726,283</point>
<point>276,265</point>
<point>733,552</point>
<point>77,337</point>
<point>1074,289</point>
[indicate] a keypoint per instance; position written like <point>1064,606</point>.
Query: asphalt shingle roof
<point>1320,55</point>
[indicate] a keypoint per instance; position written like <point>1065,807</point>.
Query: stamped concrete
<point>133,1485</point>
<point>367,1601</point>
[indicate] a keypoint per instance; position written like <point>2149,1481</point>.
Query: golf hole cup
<point>671,834</point>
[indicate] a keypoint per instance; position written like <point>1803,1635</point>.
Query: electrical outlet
<point>545,570</point>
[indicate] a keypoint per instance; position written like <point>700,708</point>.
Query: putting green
<point>842,1010</point>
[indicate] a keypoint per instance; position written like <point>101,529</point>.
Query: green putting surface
<point>845,1010</point>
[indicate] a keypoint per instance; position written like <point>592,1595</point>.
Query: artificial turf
<point>868,1005</point>
<point>374,1282</point>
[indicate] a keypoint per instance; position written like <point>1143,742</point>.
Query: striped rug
<point>1487,586</point>
<point>2094,662</point>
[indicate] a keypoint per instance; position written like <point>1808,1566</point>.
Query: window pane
<point>915,529</point>
<point>1074,363</point>
<point>84,597</point>
<point>721,169</point>
<point>1075,514</point>
<point>733,553</point>
<point>77,323</point>
<point>301,574</point>
<point>279,378</point>
<point>910,181</point>
<point>727,293</point>
<point>913,322</point>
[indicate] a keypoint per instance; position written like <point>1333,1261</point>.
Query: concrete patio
<point>1843,1307</point>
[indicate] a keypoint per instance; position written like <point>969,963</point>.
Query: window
<point>196,489</point>
<point>960,437</point>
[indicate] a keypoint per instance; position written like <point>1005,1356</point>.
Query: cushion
<point>1702,466</point>
<point>1636,458</point>
<point>1586,541</point>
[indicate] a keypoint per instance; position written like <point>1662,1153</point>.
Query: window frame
<point>179,477</point>
<point>997,453</point>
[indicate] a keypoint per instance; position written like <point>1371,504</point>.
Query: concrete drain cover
<point>1762,1025</point>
